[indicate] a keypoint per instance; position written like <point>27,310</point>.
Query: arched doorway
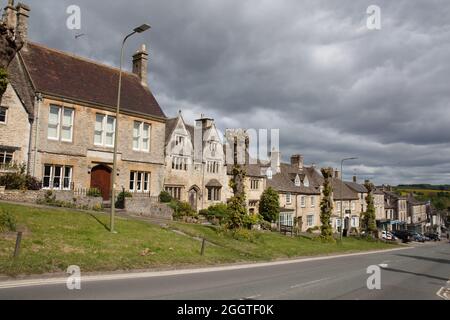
<point>193,197</point>
<point>101,180</point>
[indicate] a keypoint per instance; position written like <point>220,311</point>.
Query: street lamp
<point>342,188</point>
<point>139,29</point>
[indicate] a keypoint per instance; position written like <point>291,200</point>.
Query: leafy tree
<point>326,206</point>
<point>369,224</point>
<point>236,213</point>
<point>269,205</point>
<point>3,81</point>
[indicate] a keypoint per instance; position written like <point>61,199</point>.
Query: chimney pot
<point>298,161</point>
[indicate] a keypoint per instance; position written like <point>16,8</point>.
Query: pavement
<point>418,273</point>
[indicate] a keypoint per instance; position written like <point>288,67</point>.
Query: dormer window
<point>269,173</point>
<point>306,182</point>
<point>297,181</point>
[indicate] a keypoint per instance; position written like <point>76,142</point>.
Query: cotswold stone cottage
<point>58,117</point>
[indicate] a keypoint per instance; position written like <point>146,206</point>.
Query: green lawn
<point>57,238</point>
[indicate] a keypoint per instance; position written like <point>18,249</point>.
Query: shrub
<point>19,181</point>
<point>8,222</point>
<point>120,201</point>
<point>165,197</point>
<point>251,220</point>
<point>243,235</point>
<point>94,193</point>
<point>265,225</point>
<point>269,206</point>
<point>182,209</point>
<point>218,211</point>
<point>236,213</point>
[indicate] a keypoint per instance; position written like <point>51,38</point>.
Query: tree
<point>369,224</point>
<point>326,206</point>
<point>269,205</point>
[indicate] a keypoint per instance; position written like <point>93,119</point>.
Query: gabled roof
<point>285,181</point>
<point>356,187</point>
<point>317,179</point>
<point>63,75</point>
<point>19,80</point>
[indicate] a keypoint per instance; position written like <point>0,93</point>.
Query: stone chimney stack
<point>337,174</point>
<point>355,179</point>
<point>23,13</point>
<point>140,64</point>
<point>297,161</point>
<point>10,15</point>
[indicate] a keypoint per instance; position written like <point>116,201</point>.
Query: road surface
<point>417,273</point>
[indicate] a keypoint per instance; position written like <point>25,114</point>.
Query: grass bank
<point>57,238</point>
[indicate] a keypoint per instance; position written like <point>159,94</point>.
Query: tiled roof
<point>356,187</point>
<point>285,181</point>
<point>170,126</point>
<point>19,81</point>
<point>317,179</point>
<point>63,75</point>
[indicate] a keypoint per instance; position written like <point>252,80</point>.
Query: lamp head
<point>142,28</point>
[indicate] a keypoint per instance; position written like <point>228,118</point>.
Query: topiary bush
<point>120,201</point>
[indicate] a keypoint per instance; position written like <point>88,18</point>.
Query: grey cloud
<point>310,68</point>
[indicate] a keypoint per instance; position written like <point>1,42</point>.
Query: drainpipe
<point>36,135</point>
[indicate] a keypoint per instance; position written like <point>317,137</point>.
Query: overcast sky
<point>310,68</point>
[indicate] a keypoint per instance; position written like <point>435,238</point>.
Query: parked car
<point>386,235</point>
<point>433,236</point>
<point>403,235</point>
<point>417,237</point>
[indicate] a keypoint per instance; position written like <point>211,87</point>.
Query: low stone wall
<point>64,198</point>
<point>147,207</point>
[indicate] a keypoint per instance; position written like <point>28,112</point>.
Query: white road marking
<point>308,283</point>
<point>143,275</point>
<point>383,265</point>
<point>252,297</point>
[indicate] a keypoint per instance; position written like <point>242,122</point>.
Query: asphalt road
<point>416,273</point>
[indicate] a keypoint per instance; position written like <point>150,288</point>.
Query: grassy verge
<point>57,238</point>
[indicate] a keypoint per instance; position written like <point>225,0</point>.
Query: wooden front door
<point>101,180</point>
<point>193,197</point>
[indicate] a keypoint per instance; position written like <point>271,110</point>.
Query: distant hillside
<point>442,187</point>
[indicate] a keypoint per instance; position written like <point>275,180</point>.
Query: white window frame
<point>59,125</point>
<point>288,198</point>
<point>286,219</point>
<point>303,201</point>
<point>6,114</point>
<point>310,223</point>
<point>140,138</point>
<point>103,131</point>
<point>4,153</point>
<point>313,202</point>
<point>62,177</point>
<point>138,181</point>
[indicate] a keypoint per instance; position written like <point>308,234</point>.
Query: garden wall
<point>57,198</point>
<point>148,207</point>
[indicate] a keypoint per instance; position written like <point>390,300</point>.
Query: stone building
<point>195,163</point>
<point>417,214</point>
<point>60,121</point>
<point>399,205</point>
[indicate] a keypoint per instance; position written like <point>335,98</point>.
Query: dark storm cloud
<point>310,68</point>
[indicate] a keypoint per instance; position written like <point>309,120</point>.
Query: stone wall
<point>147,207</point>
<point>65,198</point>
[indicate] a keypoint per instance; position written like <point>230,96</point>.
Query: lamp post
<point>139,29</point>
<point>342,187</point>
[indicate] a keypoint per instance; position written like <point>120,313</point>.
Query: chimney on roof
<point>355,179</point>
<point>297,160</point>
<point>10,15</point>
<point>337,174</point>
<point>140,64</point>
<point>23,13</point>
